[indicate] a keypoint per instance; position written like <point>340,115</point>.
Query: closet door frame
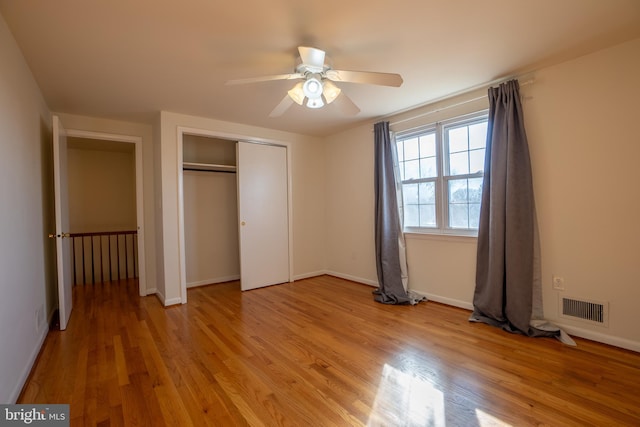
<point>181,132</point>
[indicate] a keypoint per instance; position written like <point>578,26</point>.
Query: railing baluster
<point>93,263</point>
<point>97,255</point>
<point>118,254</point>
<point>110,268</point>
<point>84,276</point>
<point>126,258</point>
<point>101,263</point>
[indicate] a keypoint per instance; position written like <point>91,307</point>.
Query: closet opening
<point>234,210</point>
<point>210,210</point>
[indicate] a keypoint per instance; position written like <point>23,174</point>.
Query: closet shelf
<point>191,166</point>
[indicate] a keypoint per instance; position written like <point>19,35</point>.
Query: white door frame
<point>75,133</point>
<point>181,132</point>
<point>63,245</point>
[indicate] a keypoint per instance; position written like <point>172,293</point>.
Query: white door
<point>263,214</point>
<point>63,242</point>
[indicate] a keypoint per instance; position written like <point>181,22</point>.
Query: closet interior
<point>210,204</point>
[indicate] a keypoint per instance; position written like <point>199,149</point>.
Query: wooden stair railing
<point>104,256</point>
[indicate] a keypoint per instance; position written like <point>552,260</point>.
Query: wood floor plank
<point>317,352</point>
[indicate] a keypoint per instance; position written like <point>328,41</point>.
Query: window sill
<point>438,235</point>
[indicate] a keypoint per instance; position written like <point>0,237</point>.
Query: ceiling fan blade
<point>282,107</point>
<point>265,79</point>
<point>312,57</point>
<point>373,78</point>
<point>346,105</point>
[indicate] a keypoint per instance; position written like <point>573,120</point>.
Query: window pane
<point>401,169</point>
<point>458,140</point>
<point>478,135</point>
<point>400,150</point>
<point>427,193</point>
<point>464,202</point>
<point>412,169</point>
<point>428,168</point>
<point>475,190</point>
<point>427,215</point>
<point>462,146</point>
<point>459,163</point>
<point>411,216</point>
<point>458,215</point>
<point>474,215</point>
<point>458,191</point>
<point>411,149</point>
<point>428,145</point>
<point>410,194</point>
<point>476,161</point>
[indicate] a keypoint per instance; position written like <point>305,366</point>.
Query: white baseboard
<point>167,302</point>
<point>571,330</point>
<point>172,301</point>
<point>213,281</point>
<point>599,337</point>
<point>161,297</point>
<point>24,375</point>
<point>369,282</point>
<point>151,291</point>
<point>445,300</point>
<point>309,275</point>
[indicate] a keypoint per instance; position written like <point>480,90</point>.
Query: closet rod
<point>208,167</point>
<point>206,170</point>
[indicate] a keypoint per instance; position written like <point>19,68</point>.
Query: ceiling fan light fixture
<point>330,92</point>
<point>315,103</point>
<point>297,94</point>
<point>312,88</point>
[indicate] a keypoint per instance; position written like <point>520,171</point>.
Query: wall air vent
<point>594,312</point>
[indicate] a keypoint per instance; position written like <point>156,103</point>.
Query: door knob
<point>243,223</point>
<point>51,236</point>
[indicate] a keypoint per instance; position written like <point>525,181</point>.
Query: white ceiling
<point>129,59</point>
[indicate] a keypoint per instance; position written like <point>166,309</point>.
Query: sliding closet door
<point>263,214</point>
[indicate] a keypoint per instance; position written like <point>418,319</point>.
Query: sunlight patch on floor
<point>406,400</point>
<point>486,420</point>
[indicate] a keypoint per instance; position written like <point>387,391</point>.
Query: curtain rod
<point>457,104</point>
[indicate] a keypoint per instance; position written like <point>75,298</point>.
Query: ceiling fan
<point>317,86</point>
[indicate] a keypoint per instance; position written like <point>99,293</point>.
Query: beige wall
<point>350,251</point>
<point>582,121</point>
<point>581,117</point>
<point>102,190</point>
<point>27,284</point>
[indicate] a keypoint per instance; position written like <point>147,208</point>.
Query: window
<point>442,168</point>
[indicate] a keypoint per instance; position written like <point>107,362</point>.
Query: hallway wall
<point>25,214</point>
<point>102,188</point>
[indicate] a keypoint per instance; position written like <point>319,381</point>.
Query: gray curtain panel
<point>387,222</point>
<point>507,234</point>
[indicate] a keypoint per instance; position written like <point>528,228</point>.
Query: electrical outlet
<point>558,283</point>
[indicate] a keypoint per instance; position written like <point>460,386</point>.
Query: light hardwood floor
<point>318,352</point>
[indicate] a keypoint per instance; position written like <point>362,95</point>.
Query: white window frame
<point>442,180</point>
